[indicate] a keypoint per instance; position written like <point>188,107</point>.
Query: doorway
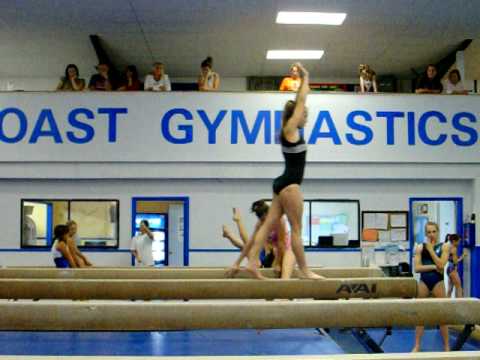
<point>168,220</point>
<point>446,212</point>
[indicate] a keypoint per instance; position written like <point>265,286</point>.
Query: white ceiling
<point>39,37</point>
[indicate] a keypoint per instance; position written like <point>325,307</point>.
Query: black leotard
<point>431,278</point>
<point>295,155</point>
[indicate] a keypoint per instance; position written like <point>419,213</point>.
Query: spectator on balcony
<point>103,80</point>
<point>429,82</point>
<point>71,80</point>
<point>454,85</point>
<point>368,79</point>
<point>130,81</point>
<point>157,80</point>
<point>208,79</point>
<point>292,81</point>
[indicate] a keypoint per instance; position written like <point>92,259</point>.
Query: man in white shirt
<point>158,80</point>
<point>29,226</point>
<point>141,247</point>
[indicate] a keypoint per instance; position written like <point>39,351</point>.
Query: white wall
<point>210,206</point>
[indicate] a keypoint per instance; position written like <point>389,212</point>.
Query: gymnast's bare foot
<point>232,271</point>
<point>252,269</point>
<point>277,270</point>
<point>236,215</point>
<point>226,232</point>
<point>446,348</point>
<point>416,348</point>
<point>309,274</point>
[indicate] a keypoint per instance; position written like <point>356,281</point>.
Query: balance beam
<point>76,289</point>
<point>168,273</point>
<point>127,316</point>
<point>465,355</point>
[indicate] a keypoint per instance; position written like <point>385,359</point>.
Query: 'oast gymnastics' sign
<point>234,127</point>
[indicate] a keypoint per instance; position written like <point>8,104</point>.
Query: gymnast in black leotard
<point>287,197</point>
<point>295,155</point>
<point>430,260</point>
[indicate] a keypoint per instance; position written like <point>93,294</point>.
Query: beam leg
<point>463,337</point>
<point>366,340</point>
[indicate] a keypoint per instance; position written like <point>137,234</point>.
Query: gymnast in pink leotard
<point>278,241</point>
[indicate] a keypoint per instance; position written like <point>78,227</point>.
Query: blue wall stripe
<point>27,250</point>
<point>82,249</point>
<point>200,250</point>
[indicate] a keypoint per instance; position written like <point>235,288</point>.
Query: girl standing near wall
<point>287,197</point>
<point>430,260</point>
<point>453,260</point>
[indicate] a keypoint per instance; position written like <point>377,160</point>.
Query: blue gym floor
<point>431,341</point>
<point>208,342</point>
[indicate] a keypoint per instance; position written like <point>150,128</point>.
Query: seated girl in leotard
<point>430,260</point>
<point>453,260</point>
<point>60,251</point>
<point>277,248</point>
<point>266,256</point>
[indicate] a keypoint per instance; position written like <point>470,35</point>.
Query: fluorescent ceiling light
<point>294,54</point>
<point>310,18</point>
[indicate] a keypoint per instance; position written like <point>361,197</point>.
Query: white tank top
<point>368,85</point>
<point>211,80</point>
<point>55,253</point>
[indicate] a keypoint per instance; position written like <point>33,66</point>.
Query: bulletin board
<point>392,226</point>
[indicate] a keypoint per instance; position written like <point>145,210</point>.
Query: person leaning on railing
<point>71,81</point>
<point>208,80</point>
<point>429,82</point>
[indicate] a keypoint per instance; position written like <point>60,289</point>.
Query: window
<point>97,221</point>
<point>334,223</point>
<point>331,223</point>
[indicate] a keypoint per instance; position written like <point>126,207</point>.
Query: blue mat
<point>195,343</point>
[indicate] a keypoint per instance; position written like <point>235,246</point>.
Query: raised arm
<point>78,84</point>
<point>216,82</point>
<point>455,257</point>
<point>149,233</point>
<point>201,82</point>
<point>60,85</point>
<point>441,261</point>
<point>362,85</point>
<point>419,267</point>
<point>374,83</point>
<point>235,268</point>
<point>237,218</point>
<point>301,98</point>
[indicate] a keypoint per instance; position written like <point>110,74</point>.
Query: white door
<point>175,235</point>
